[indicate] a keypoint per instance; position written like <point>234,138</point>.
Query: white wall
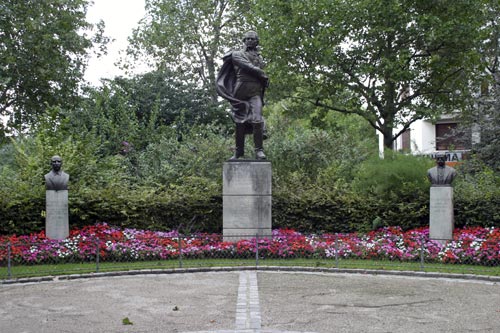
<point>423,137</point>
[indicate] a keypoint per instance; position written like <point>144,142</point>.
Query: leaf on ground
<point>127,321</point>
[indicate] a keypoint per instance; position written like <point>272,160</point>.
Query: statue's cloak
<point>226,83</point>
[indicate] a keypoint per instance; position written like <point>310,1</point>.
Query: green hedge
<point>22,217</point>
<point>186,214</point>
<point>312,212</point>
<point>347,213</point>
<point>350,214</point>
<point>157,211</point>
<point>483,212</point>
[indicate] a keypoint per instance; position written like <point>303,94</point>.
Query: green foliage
<point>477,195</point>
<point>319,210</point>
<point>126,115</point>
<point>192,207</point>
<point>389,192</point>
<point>101,190</point>
<point>169,185</point>
<point>391,62</point>
<point>126,321</point>
<point>200,153</point>
<point>43,45</point>
<point>163,98</point>
<point>313,208</point>
<point>299,149</point>
<point>324,180</point>
<point>188,36</point>
<point>109,119</point>
<point>398,188</point>
<point>336,209</point>
<point>484,113</point>
<point>21,176</point>
<point>395,175</point>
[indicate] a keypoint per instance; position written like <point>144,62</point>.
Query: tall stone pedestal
<point>56,220</point>
<point>246,199</point>
<point>441,219</point>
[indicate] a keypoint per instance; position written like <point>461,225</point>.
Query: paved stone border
<point>298,269</point>
<point>247,307</point>
<point>248,318</point>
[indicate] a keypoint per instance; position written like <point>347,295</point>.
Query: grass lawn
<point>23,271</point>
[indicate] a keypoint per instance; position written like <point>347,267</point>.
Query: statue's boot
<point>239,134</point>
<point>258,141</point>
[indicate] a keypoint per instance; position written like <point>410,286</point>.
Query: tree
<point>390,61</point>
<point>162,95</point>
<point>43,49</point>
<point>486,109</point>
<point>187,37</point>
<point>107,115</point>
<point>136,111</point>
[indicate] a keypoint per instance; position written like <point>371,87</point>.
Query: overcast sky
<point>120,17</point>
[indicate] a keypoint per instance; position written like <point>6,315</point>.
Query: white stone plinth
<point>441,218</point>
<point>56,220</point>
<point>246,199</point>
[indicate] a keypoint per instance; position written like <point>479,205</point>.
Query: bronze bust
<point>56,179</point>
<point>441,175</point>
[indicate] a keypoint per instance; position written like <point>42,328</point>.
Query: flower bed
<point>471,245</point>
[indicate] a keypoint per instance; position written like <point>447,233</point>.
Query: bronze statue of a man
<point>56,179</point>
<point>242,82</point>
<point>441,175</point>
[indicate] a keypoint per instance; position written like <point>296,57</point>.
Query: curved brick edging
<point>298,269</point>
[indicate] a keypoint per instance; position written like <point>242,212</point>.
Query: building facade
<point>427,137</point>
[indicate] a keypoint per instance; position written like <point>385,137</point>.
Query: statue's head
<point>56,163</point>
<point>251,39</point>
<point>441,159</point>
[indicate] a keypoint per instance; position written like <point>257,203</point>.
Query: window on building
<point>450,137</point>
<point>406,140</point>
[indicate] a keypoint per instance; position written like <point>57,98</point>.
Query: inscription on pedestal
<point>56,221</point>
<point>252,178</point>
<point>246,199</point>
<point>441,219</point>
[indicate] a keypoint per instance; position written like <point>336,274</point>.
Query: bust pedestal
<point>56,219</point>
<point>441,218</point>
<point>246,199</point>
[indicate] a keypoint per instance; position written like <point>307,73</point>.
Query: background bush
<point>323,181</point>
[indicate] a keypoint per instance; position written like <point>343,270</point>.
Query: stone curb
<point>293,269</point>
